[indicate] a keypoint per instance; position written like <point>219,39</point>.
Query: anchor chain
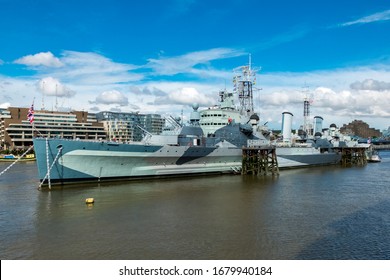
<point>12,164</point>
<point>48,171</point>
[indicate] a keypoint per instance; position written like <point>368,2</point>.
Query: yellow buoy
<point>89,200</point>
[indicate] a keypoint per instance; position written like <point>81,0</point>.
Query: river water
<point>315,213</point>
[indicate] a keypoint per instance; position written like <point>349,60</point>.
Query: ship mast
<point>306,111</point>
<point>43,96</point>
<point>243,81</point>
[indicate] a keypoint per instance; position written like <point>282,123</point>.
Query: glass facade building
<point>124,127</point>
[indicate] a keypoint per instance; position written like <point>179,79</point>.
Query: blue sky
<point>162,56</point>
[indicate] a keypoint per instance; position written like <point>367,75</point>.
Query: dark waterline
<point>316,213</point>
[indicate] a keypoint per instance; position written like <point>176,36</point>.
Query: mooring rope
<point>49,169</point>
<point>25,153</point>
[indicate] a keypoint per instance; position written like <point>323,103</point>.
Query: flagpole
<point>33,123</point>
<point>32,132</point>
<point>30,117</point>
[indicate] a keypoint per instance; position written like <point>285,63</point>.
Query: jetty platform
<point>260,160</point>
<point>352,155</point>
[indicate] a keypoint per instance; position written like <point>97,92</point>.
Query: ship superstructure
<point>227,110</point>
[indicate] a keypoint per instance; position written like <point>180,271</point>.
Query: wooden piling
<point>259,161</point>
<point>351,156</point>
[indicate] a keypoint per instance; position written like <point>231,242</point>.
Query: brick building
<point>361,129</point>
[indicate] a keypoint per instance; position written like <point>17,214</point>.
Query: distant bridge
<point>381,147</point>
<point>377,144</point>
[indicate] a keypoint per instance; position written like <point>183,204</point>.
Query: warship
<point>211,142</point>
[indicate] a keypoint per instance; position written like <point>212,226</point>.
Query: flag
<point>30,115</point>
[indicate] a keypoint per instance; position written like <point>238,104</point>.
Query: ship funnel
<point>318,124</point>
<point>286,126</point>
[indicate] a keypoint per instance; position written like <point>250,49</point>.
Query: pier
<point>259,161</point>
<point>352,155</point>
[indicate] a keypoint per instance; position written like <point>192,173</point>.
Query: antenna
<point>243,81</point>
<point>43,96</point>
<point>307,100</point>
<point>56,107</point>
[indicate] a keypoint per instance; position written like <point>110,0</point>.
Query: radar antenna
<point>243,81</point>
<point>307,100</point>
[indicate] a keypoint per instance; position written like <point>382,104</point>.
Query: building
<point>4,115</point>
<point>361,129</point>
<point>17,132</point>
<point>124,127</point>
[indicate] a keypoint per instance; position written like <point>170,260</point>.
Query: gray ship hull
<point>75,161</point>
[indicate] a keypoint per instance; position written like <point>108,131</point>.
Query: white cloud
<point>370,84</point>
<point>186,96</point>
<point>17,91</point>
<point>147,91</point>
<point>112,97</point>
<point>5,105</point>
<point>94,69</point>
<point>331,100</point>
<point>115,109</point>
<point>281,98</point>
<point>381,16</point>
<point>340,95</point>
<point>85,68</point>
<point>40,59</point>
<point>185,63</point>
<point>53,87</point>
<point>292,34</point>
